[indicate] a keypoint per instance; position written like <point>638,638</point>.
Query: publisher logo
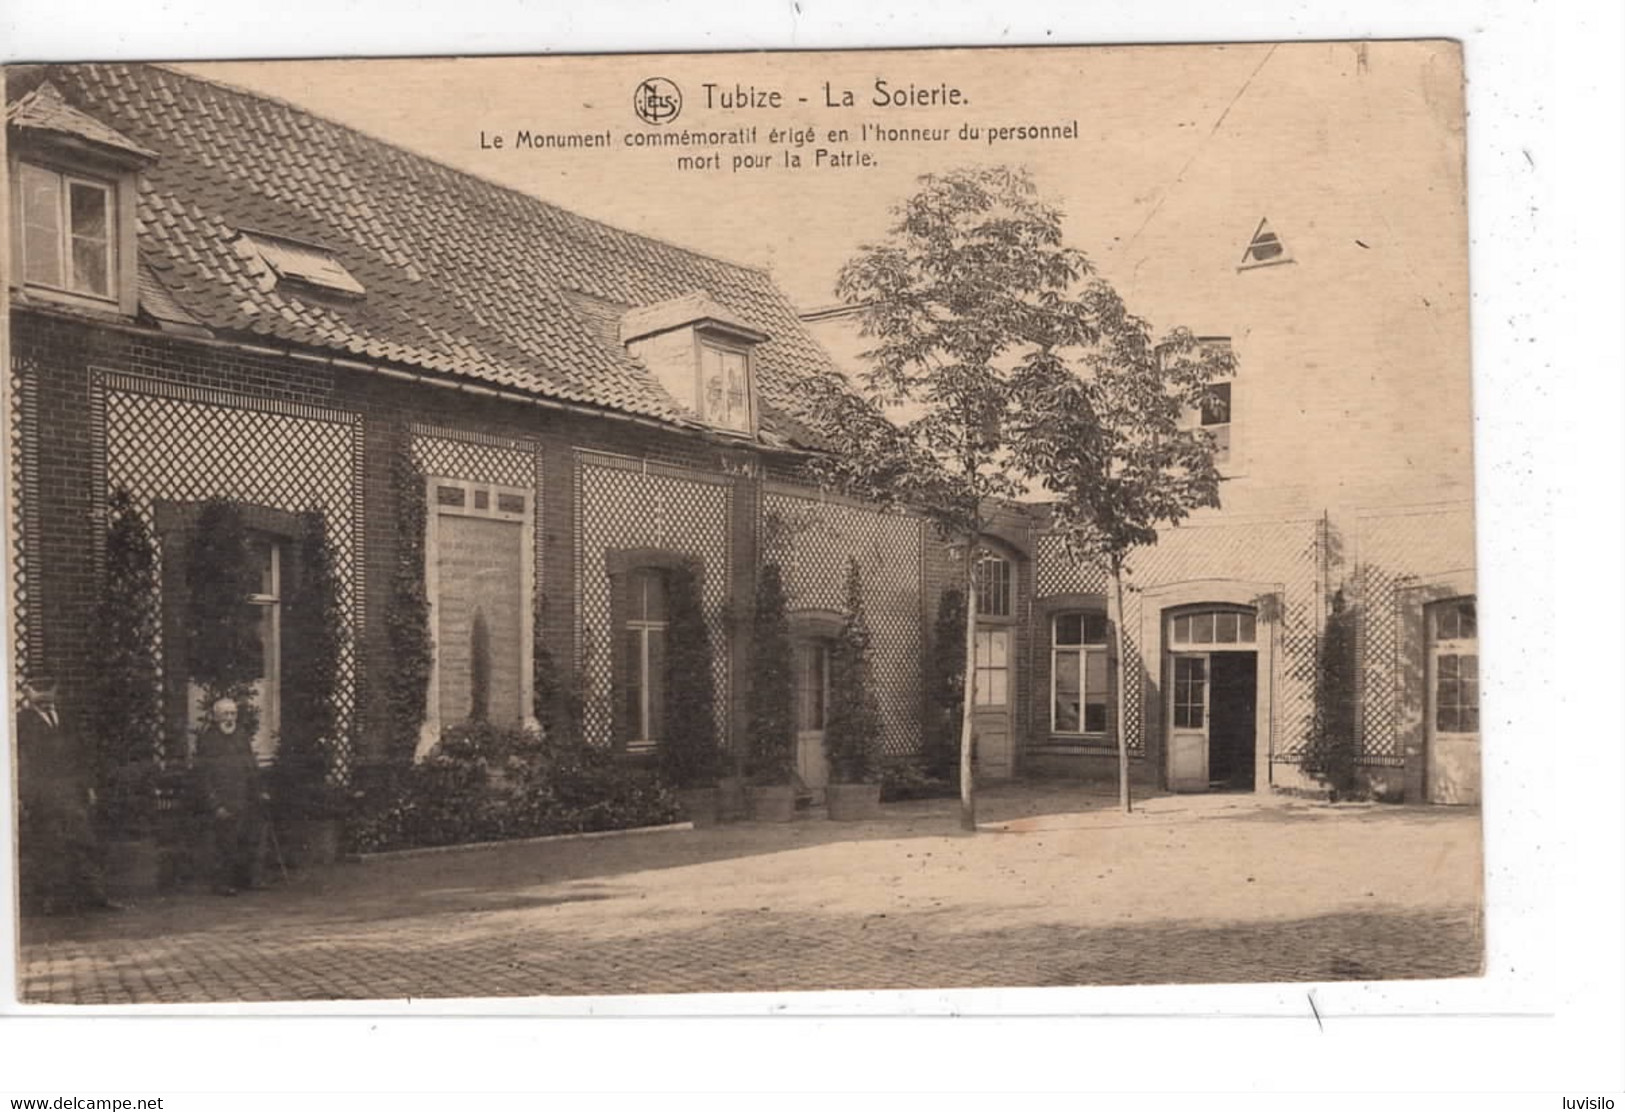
<point>657,100</point>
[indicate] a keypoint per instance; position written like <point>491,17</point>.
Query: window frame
<point>1008,613</point>
<point>978,705</point>
<point>1083,650</point>
<point>429,734</point>
<point>119,251</point>
<point>1459,647</point>
<point>643,738</point>
<point>714,340</point>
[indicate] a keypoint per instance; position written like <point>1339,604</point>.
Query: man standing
<point>58,858</point>
<point>229,778</point>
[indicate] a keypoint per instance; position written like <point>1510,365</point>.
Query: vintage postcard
<point>608,525</point>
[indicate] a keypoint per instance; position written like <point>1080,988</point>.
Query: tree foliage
<point>852,726</point>
<point>125,715</point>
<point>772,686</point>
<point>972,292</point>
<point>689,754</point>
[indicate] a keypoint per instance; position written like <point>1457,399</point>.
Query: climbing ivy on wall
<point>313,637</point>
<point>406,618</point>
<point>772,728</point>
<point>945,687</point>
<point>222,627</point>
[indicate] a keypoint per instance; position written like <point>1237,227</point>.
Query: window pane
<point>42,225</point>
<point>1224,628</point>
<point>1468,619</point>
<point>1182,629</point>
<point>450,496</point>
<point>634,682</point>
<point>88,206</point>
<point>1469,720</point>
<point>1245,632</point>
<point>738,400</point>
<point>1202,629</point>
<point>1069,629</point>
<point>993,587</point>
<point>998,688</point>
<point>1067,693</point>
<point>1468,666</point>
<point>1448,721</point>
<point>1095,693</point>
<point>656,681</point>
<point>88,217</point>
<point>1447,667</point>
<point>1000,642</point>
<point>1216,404</point>
<point>1094,629</point>
<point>511,503</point>
<point>648,596</point>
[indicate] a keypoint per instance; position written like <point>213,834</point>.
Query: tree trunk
<point>967,783</point>
<point>1122,705</point>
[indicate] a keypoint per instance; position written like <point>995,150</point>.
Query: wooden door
<point>812,706</point>
<point>1453,761</point>
<point>1188,716</point>
<point>995,681</point>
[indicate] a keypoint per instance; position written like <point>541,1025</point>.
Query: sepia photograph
<point>608,525</point>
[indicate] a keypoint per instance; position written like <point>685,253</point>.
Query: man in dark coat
<point>229,781</point>
<point>59,861</point>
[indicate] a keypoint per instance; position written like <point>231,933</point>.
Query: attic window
<point>304,264</point>
<point>1265,248</point>
<point>702,353</point>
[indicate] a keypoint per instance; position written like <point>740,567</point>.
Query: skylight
<point>307,264</point>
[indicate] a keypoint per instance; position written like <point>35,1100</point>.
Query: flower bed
<point>483,784</point>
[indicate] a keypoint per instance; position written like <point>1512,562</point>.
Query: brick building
<point>215,295</point>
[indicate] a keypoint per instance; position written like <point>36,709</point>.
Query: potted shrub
<point>852,727</point>
<point>689,756</point>
<point>771,765</point>
<point>125,716</point>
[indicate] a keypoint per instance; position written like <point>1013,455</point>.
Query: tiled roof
<point>462,277</point>
<point>42,109</point>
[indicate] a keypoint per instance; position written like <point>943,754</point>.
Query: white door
<point>1453,760</point>
<point>812,706</point>
<point>995,757</point>
<point>1188,690</point>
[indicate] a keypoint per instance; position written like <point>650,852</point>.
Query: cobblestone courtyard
<point>1060,890</point>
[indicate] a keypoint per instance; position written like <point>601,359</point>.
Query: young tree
<point>223,640</point>
<point>771,753</point>
<point>945,689</point>
<point>689,754</point>
<point>126,719</point>
<point>852,729</point>
<point>313,630</point>
<point>971,285</point>
<point>1105,431</point>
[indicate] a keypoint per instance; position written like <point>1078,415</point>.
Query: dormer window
<point>73,203</point>
<point>702,354</point>
<point>67,231</point>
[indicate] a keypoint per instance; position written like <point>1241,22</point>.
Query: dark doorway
<point>1232,727</point>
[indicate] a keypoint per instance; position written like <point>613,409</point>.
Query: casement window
<point>993,587</point>
<point>267,604</point>
<point>1455,667</point>
<point>1213,630</point>
<point>1215,419</point>
<point>1078,693</point>
<point>645,645</point>
<point>69,233</point>
<point>724,386</point>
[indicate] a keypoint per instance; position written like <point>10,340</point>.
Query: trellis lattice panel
<point>625,503</point>
<point>1284,552</point>
<point>1395,550</point>
<point>812,541</point>
<point>1055,572</point>
<point>192,445</point>
<point>24,489</point>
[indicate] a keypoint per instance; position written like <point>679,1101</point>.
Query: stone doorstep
<point>429,851</point>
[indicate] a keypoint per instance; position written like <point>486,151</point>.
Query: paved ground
<point>1068,892</point>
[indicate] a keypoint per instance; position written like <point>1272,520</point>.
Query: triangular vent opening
<point>1265,249</point>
